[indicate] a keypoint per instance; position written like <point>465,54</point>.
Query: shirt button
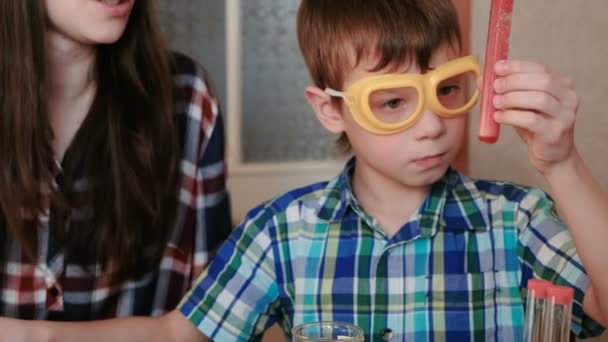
<point>386,334</point>
<point>53,291</point>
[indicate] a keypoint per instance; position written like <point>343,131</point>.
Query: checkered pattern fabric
<point>60,289</point>
<point>455,271</point>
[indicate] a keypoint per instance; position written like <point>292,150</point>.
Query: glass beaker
<point>327,331</point>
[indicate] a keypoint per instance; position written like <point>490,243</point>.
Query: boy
<point>400,244</point>
<point>398,241</point>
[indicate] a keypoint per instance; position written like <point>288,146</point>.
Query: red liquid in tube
<point>534,324</point>
<point>497,49</point>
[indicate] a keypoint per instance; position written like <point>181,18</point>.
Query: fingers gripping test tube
<point>497,49</point>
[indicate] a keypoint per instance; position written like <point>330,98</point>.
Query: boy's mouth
<point>111,2</point>
<point>430,160</point>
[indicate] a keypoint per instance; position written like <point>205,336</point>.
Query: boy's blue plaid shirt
<point>454,272</point>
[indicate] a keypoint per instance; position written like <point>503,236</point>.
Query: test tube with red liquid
<point>534,324</point>
<point>558,313</point>
<point>497,49</point>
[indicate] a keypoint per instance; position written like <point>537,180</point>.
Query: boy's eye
<point>446,90</point>
<point>393,103</point>
<point>454,93</point>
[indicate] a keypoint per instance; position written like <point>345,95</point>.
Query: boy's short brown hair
<point>396,32</point>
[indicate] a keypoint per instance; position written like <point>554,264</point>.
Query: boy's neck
<point>391,203</point>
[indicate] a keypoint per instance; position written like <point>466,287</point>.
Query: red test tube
<point>535,310</point>
<point>558,313</point>
<point>497,48</point>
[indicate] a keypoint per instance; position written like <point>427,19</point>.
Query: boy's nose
<point>429,126</point>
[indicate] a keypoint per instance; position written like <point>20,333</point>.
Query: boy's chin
<point>428,176</point>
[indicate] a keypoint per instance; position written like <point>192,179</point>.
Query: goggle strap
<point>334,93</point>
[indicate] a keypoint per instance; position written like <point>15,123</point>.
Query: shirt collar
<point>454,203</point>
<point>339,195</point>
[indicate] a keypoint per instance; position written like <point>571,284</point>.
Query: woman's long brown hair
<point>126,149</point>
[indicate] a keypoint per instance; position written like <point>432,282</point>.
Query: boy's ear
<point>329,115</point>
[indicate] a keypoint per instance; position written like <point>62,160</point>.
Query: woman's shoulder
<point>189,73</point>
<point>184,64</point>
<point>197,109</point>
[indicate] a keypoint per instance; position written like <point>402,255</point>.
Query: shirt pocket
<point>475,285</point>
<point>463,291</point>
<point>464,274</point>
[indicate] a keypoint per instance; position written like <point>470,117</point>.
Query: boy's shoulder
<point>313,203</point>
<point>493,203</point>
<point>503,191</point>
<point>311,197</point>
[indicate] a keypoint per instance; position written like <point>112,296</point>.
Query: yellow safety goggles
<point>387,104</point>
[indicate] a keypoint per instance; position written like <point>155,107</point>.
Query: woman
<point>112,192</point>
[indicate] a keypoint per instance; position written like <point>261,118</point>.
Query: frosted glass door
<point>250,50</point>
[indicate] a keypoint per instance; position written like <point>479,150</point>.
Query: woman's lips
<point>116,8</point>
